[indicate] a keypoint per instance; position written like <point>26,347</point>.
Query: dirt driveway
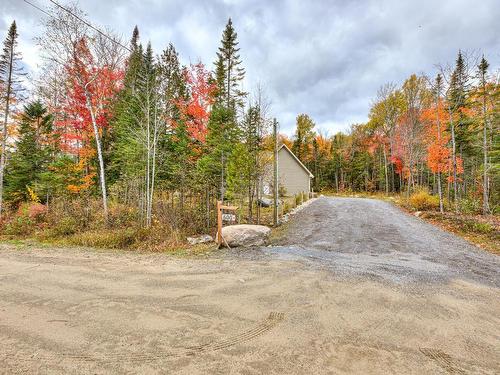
<point>354,286</point>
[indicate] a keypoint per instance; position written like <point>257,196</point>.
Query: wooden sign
<point>223,217</point>
<point>228,217</point>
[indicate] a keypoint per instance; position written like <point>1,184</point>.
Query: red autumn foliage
<point>88,83</point>
<point>195,107</point>
<point>437,139</point>
<point>102,84</point>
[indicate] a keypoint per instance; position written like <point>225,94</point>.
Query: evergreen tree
<point>123,151</point>
<point>228,72</point>
<point>252,146</point>
<point>176,149</point>
<point>482,75</point>
<point>458,101</point>
<point>34,152</point>
<point>223,134</point>
<point>9,73</point>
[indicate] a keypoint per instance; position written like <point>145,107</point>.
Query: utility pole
<point>222,188</point>
<point>275,162</point>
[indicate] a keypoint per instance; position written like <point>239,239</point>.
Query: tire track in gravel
<point>260,329</point>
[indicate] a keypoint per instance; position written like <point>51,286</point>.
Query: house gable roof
<point>296,159</point>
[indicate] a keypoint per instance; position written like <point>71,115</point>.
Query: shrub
<point>19,225</point>
<point>32,210</point>
<point>479,227</point>
<point>305,196</point>
<point>298,200</point>
<point>121,215</point>
<point>470,205</point>
<point>64,227</point>
<point>281,191</point>
<point>423,201</point>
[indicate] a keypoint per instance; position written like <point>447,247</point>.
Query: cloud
<point>324,58</point>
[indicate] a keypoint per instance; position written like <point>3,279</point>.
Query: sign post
<point>221,217</point>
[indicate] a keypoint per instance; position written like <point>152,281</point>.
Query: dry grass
<point>479,230</point>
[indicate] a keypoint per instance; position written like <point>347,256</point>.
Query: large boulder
<point>245,235</point>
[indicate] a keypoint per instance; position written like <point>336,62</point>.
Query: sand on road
<point>337,295</point>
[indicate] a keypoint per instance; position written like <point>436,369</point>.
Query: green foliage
<point>239,171</point>
<point>223,134</point>
<point>229,72</point>
<point>20,226</point>
<point>478,227</point>
<point>35,148</point>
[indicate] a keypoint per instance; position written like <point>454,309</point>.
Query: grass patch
<point>107,238</point>
<point>483,232</point>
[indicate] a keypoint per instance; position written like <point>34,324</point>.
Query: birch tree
<point>92,63</point>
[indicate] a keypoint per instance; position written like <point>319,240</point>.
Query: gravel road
<point>375,239</point>
<point>355,286</point>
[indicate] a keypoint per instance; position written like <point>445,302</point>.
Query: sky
<point>324,58</point>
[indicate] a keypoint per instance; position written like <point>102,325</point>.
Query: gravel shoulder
<point>336,296</point>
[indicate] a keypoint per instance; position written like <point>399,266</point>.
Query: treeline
<point>441,135</point>
<point>157,141</point>
<point>114,135</point>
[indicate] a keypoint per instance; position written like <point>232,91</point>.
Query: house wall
<point>291,175</point>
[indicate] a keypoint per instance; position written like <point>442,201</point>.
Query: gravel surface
<point>356,287</point>
<point>375,239</point>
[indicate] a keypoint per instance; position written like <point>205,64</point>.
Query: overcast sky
<point>323,58</point>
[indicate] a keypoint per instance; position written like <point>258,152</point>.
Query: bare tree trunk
<point>153,177</point>
<point>385,171</point>
<point>486,206</point>
<point>454,162</point>
<point>102,176</point>
<point>440,193</point>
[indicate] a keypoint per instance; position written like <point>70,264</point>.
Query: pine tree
<point>228,72</point>
<point>223,134</point>
<point>459,123</point>
<point>458,98</point>
<point>119,153</point>
<point>482,73</point>
<point>176,152</point>
<point>9,73</point>
<point>252,143</point>
<point>34,152</point>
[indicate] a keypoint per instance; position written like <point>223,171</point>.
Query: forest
<point>113,144</point>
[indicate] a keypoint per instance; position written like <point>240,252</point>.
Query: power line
<point>79,19</point>
<point>37,7</point>
<point>89,25</point>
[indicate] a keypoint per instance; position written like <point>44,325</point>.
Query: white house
<point>293,176</point>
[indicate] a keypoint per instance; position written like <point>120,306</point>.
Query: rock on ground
<point>245,235</point>
<point>204,238</point>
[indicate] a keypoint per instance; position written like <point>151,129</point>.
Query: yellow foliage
<point>33,196</point>
<point>423,201</point>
